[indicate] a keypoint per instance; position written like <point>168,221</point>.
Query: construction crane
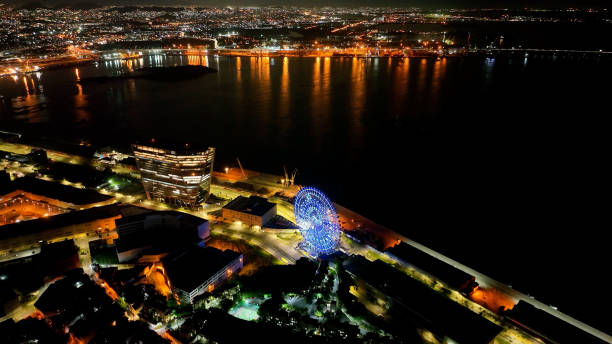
<point>291,181</point>
<point>285,181</point>
<point>288,181</point>
<point>241,169</point>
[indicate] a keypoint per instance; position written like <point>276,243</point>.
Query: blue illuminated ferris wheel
<point>318,222</point>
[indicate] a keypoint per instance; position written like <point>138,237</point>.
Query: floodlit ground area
<point>158,280</point>
<point>26,307</point>
<point>248,308</point>
<point>492,299</point>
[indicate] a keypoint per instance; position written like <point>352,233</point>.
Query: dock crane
<point>285,181</point>
<point>288,181</point>
<point>241,169</point>
<point>291,181</point>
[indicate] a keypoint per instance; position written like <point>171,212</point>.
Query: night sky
<point>342,3</point>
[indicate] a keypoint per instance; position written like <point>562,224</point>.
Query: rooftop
<point>78,304</point>
<point>252,205</point>
<point>62,220</point>
<point>190,268</point>
<point>549,326</point>
<point>54,190</point>
<point>446,316</point>
<point>179,148</point>
<point>182,217</point>
<point>449,274</point>
<point>164,232</point>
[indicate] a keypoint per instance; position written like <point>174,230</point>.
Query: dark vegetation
<point>157,74</point>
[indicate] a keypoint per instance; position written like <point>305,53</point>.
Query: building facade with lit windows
<point>174,174</point>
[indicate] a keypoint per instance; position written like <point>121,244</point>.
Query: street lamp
<point>226,170</point>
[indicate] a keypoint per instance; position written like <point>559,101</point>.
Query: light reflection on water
<point>284,90</point>
<point>272,89</point>
<point>357,98</point>
<point>401,80</point>
<point>275,99</point>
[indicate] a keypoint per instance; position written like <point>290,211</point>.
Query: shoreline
<point>60,62</point>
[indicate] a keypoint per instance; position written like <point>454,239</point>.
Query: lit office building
<point>174,174</point>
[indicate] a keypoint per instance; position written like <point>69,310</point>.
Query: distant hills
<point>58,5</point>
<point>85,4</point>
<point>31,6</point>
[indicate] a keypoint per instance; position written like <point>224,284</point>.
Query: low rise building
<point>198,270</point>
<point>252,211</point>
<point>30,198</point>
<point>547,326</point>
<point>158,232</point>
<point>26,235</point>
<point>430,265</point>
<point>404,300</point>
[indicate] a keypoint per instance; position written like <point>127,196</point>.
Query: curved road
<point>284,249</point>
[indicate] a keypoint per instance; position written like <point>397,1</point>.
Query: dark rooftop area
<point>252,205</point>
<point>552,328</point>
<point>52,262</point>
<point>129,332</point>
<point>54,190</point>
<point>190,268</point>
<point>180,216</point>
<point>168,231</point>
<point>77,303</point>
<point>449,274</point>
<point>423,304</point>
<point>30,330</point>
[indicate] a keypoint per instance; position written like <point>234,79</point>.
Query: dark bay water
<point>499,163</point>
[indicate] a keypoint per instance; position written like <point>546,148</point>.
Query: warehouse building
<point>409,301</point>
<point>198,270</point>
<point>547,326</point>
<point>158,232</point>
<point>29,198</point>
<point>252,211</point>
<point>430,265</point>
<point>90,222</point>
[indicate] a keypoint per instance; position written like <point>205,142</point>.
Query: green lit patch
<point>247,309</point>
<point>245,312</point>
